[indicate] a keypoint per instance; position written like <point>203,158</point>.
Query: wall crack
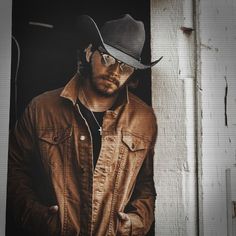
<point>225,101</point>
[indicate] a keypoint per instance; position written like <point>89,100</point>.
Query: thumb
<point>123,216</point>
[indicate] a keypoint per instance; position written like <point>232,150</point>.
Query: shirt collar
<point>71,92</point>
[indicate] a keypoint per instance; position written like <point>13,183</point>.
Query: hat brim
<point>91,34</point>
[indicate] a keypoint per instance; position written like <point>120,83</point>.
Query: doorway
<point>44,50</point>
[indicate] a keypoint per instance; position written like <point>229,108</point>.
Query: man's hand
<point>53,222</point>
<point>124,227</point>
<point>53,209</point>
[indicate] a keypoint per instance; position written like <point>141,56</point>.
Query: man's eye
<point>107,57</point>
<point>110,60</point>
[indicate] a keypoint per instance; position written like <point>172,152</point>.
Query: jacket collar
<point>71,90</point>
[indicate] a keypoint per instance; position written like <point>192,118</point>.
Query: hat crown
<point>125,34</point>
<point>123,38</point>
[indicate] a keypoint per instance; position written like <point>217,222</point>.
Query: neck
<point>94,101</point>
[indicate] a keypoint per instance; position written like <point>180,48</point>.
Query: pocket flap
<point>55,136</point>
<point>134,143</point>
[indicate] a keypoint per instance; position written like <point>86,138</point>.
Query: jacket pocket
<point>55,136</point>
<point>54,146</point>
<point>133,151</point>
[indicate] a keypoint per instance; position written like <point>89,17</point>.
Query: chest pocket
<point>54,145</point>
<point>134,151</point>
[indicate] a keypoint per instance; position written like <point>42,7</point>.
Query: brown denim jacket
<point>50,163</point>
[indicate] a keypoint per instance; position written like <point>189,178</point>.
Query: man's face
<point>106,80</point>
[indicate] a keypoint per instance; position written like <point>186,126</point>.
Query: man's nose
<point>115,69</point>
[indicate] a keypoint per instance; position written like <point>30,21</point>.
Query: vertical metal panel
<point>5,62</point>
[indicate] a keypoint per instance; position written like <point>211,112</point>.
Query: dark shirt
<point>94,128</point>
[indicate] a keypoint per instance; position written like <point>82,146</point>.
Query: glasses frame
<point>122,65</point>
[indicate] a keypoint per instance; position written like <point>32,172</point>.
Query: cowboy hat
<point>122,38</point>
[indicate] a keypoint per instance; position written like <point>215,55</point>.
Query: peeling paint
<point>185,166</point>
<point>198,86</point>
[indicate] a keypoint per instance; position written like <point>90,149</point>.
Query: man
<point>81,157</point>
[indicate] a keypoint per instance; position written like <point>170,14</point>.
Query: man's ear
<point>88,52</point>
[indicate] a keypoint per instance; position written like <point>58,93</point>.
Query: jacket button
<point>55,139</point>
<point>132,146</point>
<point>82,137</point>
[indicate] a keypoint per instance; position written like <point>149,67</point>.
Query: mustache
<point>112,79</point>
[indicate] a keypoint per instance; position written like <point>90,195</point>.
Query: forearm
<point>141,212</point>
<point>29,211</point>
<point>140,208</point>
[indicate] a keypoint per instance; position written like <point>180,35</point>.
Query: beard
<point>104,84</point>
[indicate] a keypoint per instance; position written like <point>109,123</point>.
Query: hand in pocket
<point>53,221</point>
<point>124,227</point>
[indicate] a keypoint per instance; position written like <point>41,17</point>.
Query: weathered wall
<point>217,78</point>
<point>173,89</point>
<point>194,95</point>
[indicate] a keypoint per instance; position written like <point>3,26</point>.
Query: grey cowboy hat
<point>122,38</point>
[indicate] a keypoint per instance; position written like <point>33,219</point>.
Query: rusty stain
<point>187,30</point>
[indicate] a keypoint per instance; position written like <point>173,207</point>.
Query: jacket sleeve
<point>140,208</point>
<point>29,213</point>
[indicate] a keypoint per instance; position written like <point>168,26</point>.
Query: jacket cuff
<point>137,228</point>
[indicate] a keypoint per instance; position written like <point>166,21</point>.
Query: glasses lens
<point>126,69</point>
<point>108,60</point>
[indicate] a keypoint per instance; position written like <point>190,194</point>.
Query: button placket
<point>55,139</point>
<point>102,169</point>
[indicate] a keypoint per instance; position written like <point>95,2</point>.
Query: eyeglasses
<point>109,60</point>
